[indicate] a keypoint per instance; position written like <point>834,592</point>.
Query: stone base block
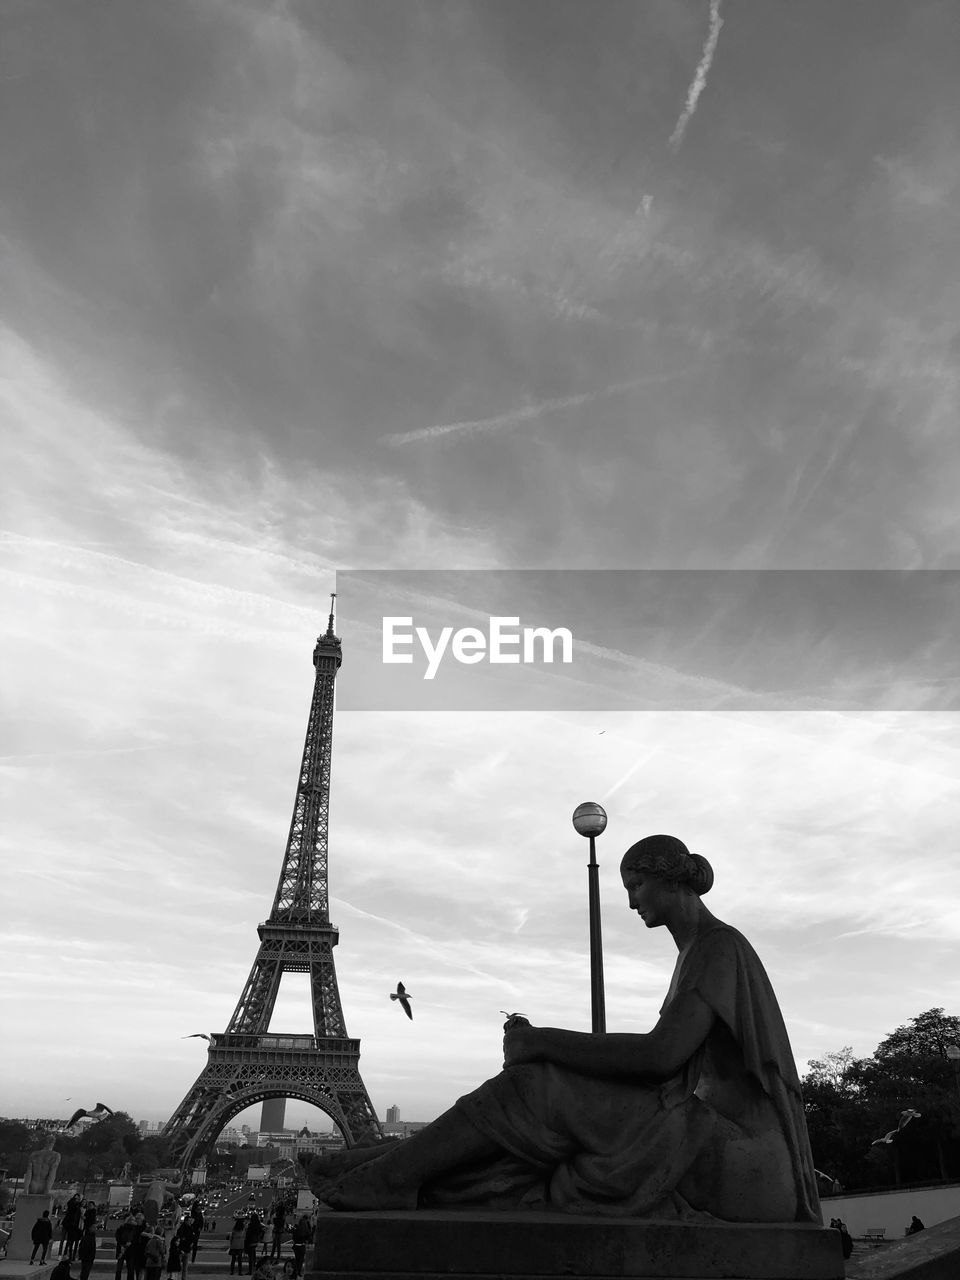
<point>15,1269</point>
<point>29,1209</point>
<point>488,1245</point>
<point>933,1254</point>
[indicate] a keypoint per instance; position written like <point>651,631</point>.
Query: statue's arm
<point>657,1054</point>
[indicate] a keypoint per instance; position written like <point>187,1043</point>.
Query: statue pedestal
<point>482,1244</point>
<point>29,1209</point>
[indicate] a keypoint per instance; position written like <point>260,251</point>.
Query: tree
<point>16,1142</point>
<point>851,1102</point>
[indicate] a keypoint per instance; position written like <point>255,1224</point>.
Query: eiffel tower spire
<point>248,1064</point>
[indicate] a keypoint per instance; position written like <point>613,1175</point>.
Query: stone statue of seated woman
<point>699,1118</point>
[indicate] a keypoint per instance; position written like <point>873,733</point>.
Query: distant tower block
<point>271,1115</point>
<point>393,1115</point>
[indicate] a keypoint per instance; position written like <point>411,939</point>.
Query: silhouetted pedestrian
<point>70,1227</point>
<point>138,1249</point>
<point>915,1226</point>
<point>235,1245</point>
<point>155,1252</point>
<point>196,1226</point>
<point>302,1235</point>
<point>251,1239</point>
<point>124,1236</point>
<point>87,1252</point>
<point>41,1233</point>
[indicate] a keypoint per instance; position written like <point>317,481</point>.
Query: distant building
<point>148,1127</point>
<point>393,1115</point>
<point>272,1114</point>
<point>404,1128</point>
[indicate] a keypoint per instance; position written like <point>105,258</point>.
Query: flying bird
<point>100,1112</point>
<point>401,995</point>
<point>198,1035</point>
<point>905,1118</point>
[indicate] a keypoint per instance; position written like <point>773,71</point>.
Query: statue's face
<point>651,897</point>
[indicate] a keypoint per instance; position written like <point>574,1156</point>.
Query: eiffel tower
<point>247,1064</point>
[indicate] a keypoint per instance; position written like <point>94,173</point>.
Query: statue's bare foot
<point>370,1187</point>
<point>322,1170</point>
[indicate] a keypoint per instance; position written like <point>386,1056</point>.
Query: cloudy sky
<point>292,289</point>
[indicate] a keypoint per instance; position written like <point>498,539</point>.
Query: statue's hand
<point>521,1043</point>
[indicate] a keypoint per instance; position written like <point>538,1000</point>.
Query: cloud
<point>529,412</point>
<point>699,82</point>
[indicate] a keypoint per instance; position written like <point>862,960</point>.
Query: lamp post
<point>589,819</point>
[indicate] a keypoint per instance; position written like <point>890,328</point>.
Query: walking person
<point>70,1226</point>
<point>174,1259</point>
<point>87,1252</point>
<point>124,1236</point>
<point>154,1255</point>
<point>196,1225</point>
<point>279,1218</point>
<point>235,1245</point>
<point>138,1249</point>
<point>186,1243</point>
<point>302,1235</point>
<point>251,1239</point>
<point>41,1233</point>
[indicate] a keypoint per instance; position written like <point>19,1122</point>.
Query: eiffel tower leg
<point>256,1002</point>
<point>324,994</point>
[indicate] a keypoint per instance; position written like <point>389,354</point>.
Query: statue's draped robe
<point>582,1144</point>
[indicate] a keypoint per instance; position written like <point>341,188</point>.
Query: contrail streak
<point>699,82</point>
<point>527,413</point>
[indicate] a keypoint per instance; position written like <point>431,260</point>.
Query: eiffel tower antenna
<point>247,1064</point>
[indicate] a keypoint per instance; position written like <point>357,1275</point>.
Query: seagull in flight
<point>198,1035</point>
<point>100,1112</point>
<point>905,1118</point>
<point>401,995</point>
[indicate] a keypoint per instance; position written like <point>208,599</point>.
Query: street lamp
<point>589,819</point>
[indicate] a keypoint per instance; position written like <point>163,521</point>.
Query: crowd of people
<point>143,1251</point>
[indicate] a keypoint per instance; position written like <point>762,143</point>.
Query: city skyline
<point>296,291</point>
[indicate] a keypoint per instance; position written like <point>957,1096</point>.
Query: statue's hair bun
<point>701,880</point>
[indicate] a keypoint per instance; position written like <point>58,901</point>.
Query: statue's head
<point>48,1141</point>
<point>668,859</point>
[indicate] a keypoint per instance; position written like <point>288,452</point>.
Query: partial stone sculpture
<point>698,1119</point>
<point>41,1170</point>
<point>156,1194</point>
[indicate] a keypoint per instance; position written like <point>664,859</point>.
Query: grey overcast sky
<point>293,288</point>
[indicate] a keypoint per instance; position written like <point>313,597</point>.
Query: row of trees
<point>851,1102</point>
<point>114,1148</point>
<point>104,1150</point>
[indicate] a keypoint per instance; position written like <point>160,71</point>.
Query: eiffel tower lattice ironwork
<point>247,1064</point>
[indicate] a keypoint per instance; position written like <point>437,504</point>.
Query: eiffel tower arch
<point>246,1064</point>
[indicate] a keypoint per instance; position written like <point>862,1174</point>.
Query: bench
<point>875,1234</point>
